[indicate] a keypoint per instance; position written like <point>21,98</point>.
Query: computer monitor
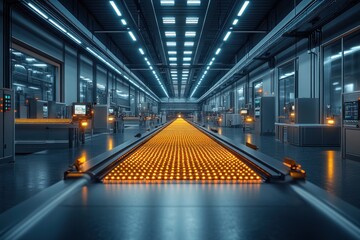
<point>243,112</point>
<point>80,109</point>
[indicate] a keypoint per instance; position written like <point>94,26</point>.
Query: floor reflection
<point>330,167</point>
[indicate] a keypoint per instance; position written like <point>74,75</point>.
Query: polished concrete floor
<point>33,173</point>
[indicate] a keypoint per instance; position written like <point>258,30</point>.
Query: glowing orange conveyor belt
<point>181,152</point>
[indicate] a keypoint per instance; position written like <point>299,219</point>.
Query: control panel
<point>6,126</point>
<point>7,102</point>
<point>351,109</point>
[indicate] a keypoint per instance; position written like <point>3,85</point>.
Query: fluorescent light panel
<point>74,38</point>
<point>141,51</point>
<point>116,9</point>
<point>171,44</point>
<point>167,2</point>
<point>172,52</point>
<point>132,36</point>
<point>169,20</point>
<point>38,11</point>
<point>190,34</point>
<point>218,51</point>
<point>189,44</point>
<point>193,2</point>
<point>170,34</point>
<point>185,59</point>
<point>57,25</point>
<point>227,36</point>
<point>123,21</point>
<point>192,20</point>
<point>187,52</point>
<point>235,21</point>
<point>242,9</point>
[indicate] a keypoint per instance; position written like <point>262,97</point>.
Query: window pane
<point>258,92</point>
<point>286,91</point>
<point>121,96</point>
<point>240,93</point>
<point>101,96</point>
<point>86,80</point>
<point>332,79</point>
<point>352,63</point>
<point>32,79</point>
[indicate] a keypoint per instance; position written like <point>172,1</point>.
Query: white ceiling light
<point>242,9</point>
<point>190,34</point>
<point>169,20</point>
<point>235,21</point>
<point>185,59</point>
<point>189,44</point>
<point>170,34</point>
<point>73,38</point>
<point>193,2</point>
<point>172,52</point>
<point>167,2</point>
<point>218,51</point>
<point>186,64</point>
<point>172,59</point>
<point>192,20</point>
<point>207,68</point>
<point>116,9</point>
<point>171,44</point>
<point>185,71</point>
<point>57,25</point>
<point>187,52</point>
<point>38,11</point>
<point>132,36</point>
<point>123,21</point>
<point>173,64</point>
<point>141,51</point>
<point>227,36</point>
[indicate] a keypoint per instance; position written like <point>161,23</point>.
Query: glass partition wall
<point>32,79</point>
<point>341,72</point>
<point>286,96</point>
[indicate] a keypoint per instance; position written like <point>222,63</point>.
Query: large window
<point>132,101</point>
<point>286,90</point>
<point>101,90</point>
<point>332,79</point>
<point>257,94</point>
<point>121,97</point>
<point>86,80</point>
<point>240,97</point>
<point>352,63</point>
<point>32,78</point>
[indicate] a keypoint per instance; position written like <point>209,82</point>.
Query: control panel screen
<point>351,110</point>
<point>80,109</point>
<point>243,111</point>
<point>7,102</point>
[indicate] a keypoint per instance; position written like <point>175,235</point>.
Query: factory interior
<point>180,119</point>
